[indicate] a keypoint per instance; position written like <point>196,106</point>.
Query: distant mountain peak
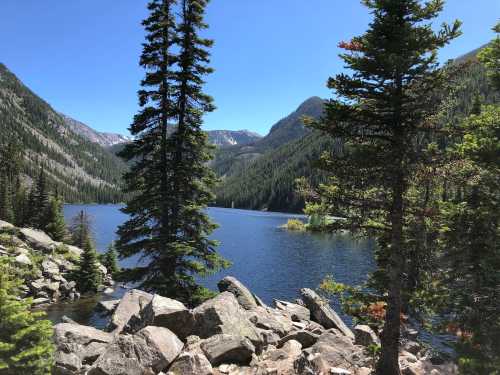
<point>224,138</point>
<point>102,138</point>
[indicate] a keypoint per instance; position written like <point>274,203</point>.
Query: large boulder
<point>223,348</point>
<point>77,345</point>
<point>279,361</point>
<point>322,313</point>
<point>223,315</point>
<point>191,364</point>
<point>270,320</point>
<point>333,349</point>
<point>151,350</point>
<point>243,295</point>
<point>365,336</point>
<point>295,311</point>
<point>305,338</point>
<point>5,225</point>
<point>130,307</point>
<point>38,239</point>
<point>168,313</point>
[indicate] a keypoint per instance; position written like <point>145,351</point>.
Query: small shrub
<point>295,225</point>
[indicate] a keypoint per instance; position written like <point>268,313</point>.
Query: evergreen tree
<point>6,207</point>
<point>55,225</point>
<point>490,57</point>
<point>470,234</point>
<point>169,181</point>
<point>41,203</point>
<point>87,274</point>
<point>381,115</point>
<point>81,229</point>
<point>26,346</point>
<point>110,260</point>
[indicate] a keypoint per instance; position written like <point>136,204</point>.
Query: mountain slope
<point>81,170</point>
<point>230,159</point>
<point>262,175</point>
<point>102,139</point>
<point>224,138</point>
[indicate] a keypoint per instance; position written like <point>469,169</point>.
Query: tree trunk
<point>388,363</point>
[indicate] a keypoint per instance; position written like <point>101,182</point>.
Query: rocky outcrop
<point>322,312</point>
<point>156,335</point>
<point>365,336</point>
<point>168,313</point>
<point>78,346</point>
<point>48,263</point>
<point>243,295</point>
<point>151,350</point>
<point>128,311</point>
<point>223,315</point>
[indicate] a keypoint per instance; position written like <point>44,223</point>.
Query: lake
<point>271,261</point>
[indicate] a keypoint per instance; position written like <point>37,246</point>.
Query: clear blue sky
<point>270,55</point>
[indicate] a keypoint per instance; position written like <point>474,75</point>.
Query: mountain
<point>224,138</point>
<point>81,170</point>
<point>230,159</point>
<point>103,139</point>
<point>262,175</point>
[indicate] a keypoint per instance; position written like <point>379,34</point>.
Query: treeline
<point>82,170</point>
<point>269,182</point>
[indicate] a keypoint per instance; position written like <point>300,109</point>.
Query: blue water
<point>271,261</point>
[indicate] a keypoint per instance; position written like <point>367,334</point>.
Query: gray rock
<point>333,349</point>
<point>23,259</point>
<point>49,268</point>
<point>5,225</point>
<point>243,295</point>
<point>77,345</point>
<point>339,371</point>
<point>228,349</point>
<point>279,361</point>
<point>130,306</point>
<point>38,239</point>
<point>365,336</point>
<point>151,350</point>
<point>76,251</point>
<point>305,338</point>
<point>168,313</point>
<point>269,319</point>
<point>296,312</point>
<point>40,301</point>
<point>223,315</point>
<point>322,313</point>
<point>191,364</point>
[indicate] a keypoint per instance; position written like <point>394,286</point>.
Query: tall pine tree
<point>55,225</point>
<point>380,114</point>
<point>170,181</point>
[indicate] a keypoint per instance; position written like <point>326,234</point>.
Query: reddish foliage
<point>352,45</point>
<point>376,310</point>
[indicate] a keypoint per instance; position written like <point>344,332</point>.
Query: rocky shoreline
<point>46,264</point>
<point>234,333</point>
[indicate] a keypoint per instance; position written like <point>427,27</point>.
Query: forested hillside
<point>80,170</point>
<point>262,175</point>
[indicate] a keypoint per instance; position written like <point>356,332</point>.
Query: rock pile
<point>47,263</point>
<point>233,333</point>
